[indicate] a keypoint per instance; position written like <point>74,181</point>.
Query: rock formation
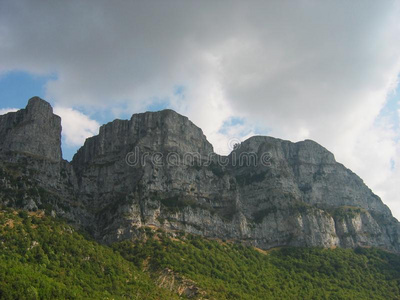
<point>158,169</point>
<point>34,130</point>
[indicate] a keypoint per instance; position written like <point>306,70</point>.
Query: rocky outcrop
<point>307,172</point>
<point>158,169</point>
<point>34,130</point>
<point>33,174</point>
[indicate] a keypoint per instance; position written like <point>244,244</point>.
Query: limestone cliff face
<point>162,131</point>
<point>308,172</point>
<point>158,169</point>
<point>33,173</point>
<point>34,130</point>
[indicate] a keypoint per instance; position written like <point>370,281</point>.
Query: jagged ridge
<point>300,197</point>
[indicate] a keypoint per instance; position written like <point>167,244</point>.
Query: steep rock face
<point>34,130</point>
<point>126,163</point>
<point>158,169</point>
<point>33,173</point>
<point>307,172</point>
<point>267,193</point>
<point>163,131</point>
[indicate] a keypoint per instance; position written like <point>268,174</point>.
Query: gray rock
<point>34,130</point>
<point>158,169</point>
<point>31,205</point>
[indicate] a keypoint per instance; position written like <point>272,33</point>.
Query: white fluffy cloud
<point>306,69</point>
<point>3,111</point>
<point>76,126</point>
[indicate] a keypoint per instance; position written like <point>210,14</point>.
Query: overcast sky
<point>321,70</point>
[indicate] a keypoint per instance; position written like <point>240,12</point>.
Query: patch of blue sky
<point>231,122</point>
<point>103,116</point>
<point>179,90</point>
<point>391,112</point>
<point>392,165</point>
<point>69,152</point>
<point>158,104</point>
<point>245,130</point>
<point>261,131</point>
<point>17,87</point>
<point>392,107</point>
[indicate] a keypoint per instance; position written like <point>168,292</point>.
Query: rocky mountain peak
<point>295,194</point>
<point>307,151</point>
<point>34,130</point>
<point>37,106</point>
<point>162,131</point>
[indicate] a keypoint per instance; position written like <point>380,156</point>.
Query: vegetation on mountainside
<point>233,271</point>
<point>43,258</point>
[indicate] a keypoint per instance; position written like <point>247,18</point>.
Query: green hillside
<point>43,258</point>
<point>229,271</point>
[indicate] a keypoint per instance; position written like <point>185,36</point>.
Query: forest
<point>44,258</point>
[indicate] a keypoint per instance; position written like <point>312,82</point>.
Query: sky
<point>321,70</point>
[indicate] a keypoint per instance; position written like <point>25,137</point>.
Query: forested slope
<point>43,258</point>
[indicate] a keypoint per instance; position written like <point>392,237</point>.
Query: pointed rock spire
<point>34,130</point>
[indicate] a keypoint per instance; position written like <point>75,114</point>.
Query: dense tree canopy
<point>43,258</point>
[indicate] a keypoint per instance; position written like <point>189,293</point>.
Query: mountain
<point>158,170</point>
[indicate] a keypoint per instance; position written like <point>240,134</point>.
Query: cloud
<point>3,111</point>
<point>294,70</point>
<point>76,126</point>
